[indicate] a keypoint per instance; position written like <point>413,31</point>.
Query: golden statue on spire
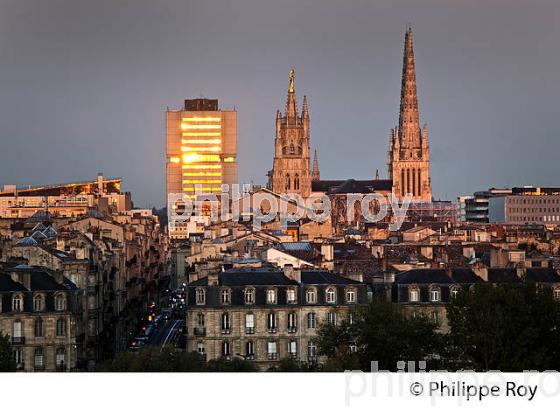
<point>292,78</point>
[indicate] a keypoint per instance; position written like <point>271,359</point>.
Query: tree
<point>507,327</point>
<point>154,359</point>
<point>380,332</point>
<point>7,362</point>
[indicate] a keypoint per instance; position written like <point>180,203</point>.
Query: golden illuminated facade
<point>201,148</point>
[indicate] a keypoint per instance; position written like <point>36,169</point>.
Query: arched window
<point>39,331</point>
<point>435,295</point>
<point>200,296</point>
<point>226,296</point>
<point>351,295</point>
<point>38,303</point>
<point>310,296</point>
<point>61,327</point>
<point>17,303</point>
<point>287,182</point>
<point>296,181</point>
<point>271,296</point>
<point>60,302</point>
<point>331,295</point>
<point>249,296</point>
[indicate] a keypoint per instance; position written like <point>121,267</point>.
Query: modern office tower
<point>201,148</point>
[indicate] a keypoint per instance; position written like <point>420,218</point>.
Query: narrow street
<point>167,334</point>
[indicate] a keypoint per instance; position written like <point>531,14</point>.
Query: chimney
<point>23,278</point>
<point>521,270</point>
<point>100,183</point>
<point>213,278</point>
<point>291,273</point>
<point>481,271</point>
<point>58,276</point>
<point>327,252</point>
<point>192,277</point>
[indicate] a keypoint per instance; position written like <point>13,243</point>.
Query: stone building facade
<point>409,152</point>
<point>38,310</point>
<point>265,314</point>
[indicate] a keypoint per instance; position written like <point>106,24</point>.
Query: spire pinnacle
<point>408,117</point>
<point>315,175</point>
<point>292,79</point>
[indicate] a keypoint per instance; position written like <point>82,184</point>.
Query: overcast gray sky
<point>84,85</point>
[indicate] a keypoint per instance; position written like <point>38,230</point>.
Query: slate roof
<point>371,184</point>
<point>273,277</point>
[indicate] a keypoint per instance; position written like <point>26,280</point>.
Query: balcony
<point>249,330</point>
<point>292,355</point>
<point>18,340</point>
<point>226,331</point>
<point>292,329</point>
<point>272,356</point>
<point>250,357</point>
<point>272,330</point>
<point>199,331</point>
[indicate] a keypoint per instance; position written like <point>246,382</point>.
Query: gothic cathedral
<point>291,169</point>
<point>409,153</point>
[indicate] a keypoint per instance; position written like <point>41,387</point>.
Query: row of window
<point>272,296</point>
<point>271,321</point>
<point>435,294</point>
<point>534,200</point>
<point>39,328</point>
<point>39,304</point>
<point>39,357</point>
<point>271,350</point>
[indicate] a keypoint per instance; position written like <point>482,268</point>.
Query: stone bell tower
<point>409,152</point>
<point>291,168</point>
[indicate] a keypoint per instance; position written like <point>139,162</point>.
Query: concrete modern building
<point>201,153</point>
<point>72,199</point>
<point>201,147</point>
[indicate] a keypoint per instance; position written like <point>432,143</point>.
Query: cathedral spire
<point>409,127</point>
<point>315,175</point>
<point>291,106</point>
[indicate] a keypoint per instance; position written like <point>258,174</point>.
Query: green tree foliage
<point>380,332</point>
<point>153,359</point>
<point>508,327</point>
<point>7,362</point>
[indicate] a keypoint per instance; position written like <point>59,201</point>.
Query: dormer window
<point>271,296</point>
<point>200,296</point>
<point>291,295</point>
<point>331,295</point>
<point>226,296</point>
<point>249,296</point>
<point>414,295</point>
<point>454,291</point>
<point>17,303</point>
<point>556,293</point>
<point>350,295</point>
<point>435,295</point>
<point>310,296</point>
<point>60,302</point>
<point>38,303</point>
